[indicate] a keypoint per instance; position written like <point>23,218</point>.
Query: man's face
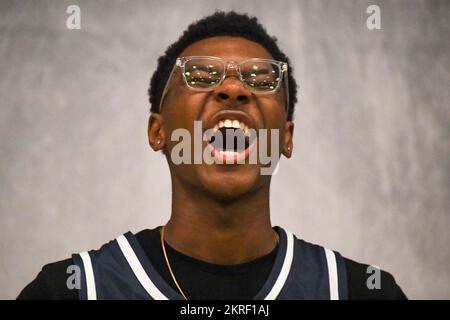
<point>231,100</point>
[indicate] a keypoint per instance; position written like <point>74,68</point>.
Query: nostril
<point>242,98</point>
<point>223,96</point>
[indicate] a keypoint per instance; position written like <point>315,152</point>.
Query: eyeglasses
<point>204,73</point>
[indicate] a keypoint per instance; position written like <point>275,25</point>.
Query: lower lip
<point>230,157</point>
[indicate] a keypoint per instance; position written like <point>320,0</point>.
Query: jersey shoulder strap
<point>317,273</point>
<point>110,272</point>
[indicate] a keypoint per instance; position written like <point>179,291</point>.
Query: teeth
<point>245,129</point>
<point>228,123</point>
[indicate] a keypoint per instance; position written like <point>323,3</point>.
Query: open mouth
<point>231,141</point>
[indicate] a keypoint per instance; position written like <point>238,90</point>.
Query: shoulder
<point>363,281</point>
<point>367,283</point>
<point>50,283</point>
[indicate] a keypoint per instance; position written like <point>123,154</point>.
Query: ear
<point>288,139</point>
<point>156,135</point>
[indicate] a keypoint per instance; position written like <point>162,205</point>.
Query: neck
<point>220,232</point>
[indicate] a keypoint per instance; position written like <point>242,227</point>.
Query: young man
<point>224,74</point>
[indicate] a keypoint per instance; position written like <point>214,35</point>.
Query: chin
<point>228,183</point>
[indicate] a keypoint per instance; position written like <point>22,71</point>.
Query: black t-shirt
<point>202,280</point>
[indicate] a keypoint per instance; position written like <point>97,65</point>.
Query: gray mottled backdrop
<point>370,174</point>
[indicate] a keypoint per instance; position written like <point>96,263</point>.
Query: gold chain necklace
<point>168,264</point>
<point>170,268</point>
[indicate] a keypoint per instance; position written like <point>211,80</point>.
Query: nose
<point>232,90</point>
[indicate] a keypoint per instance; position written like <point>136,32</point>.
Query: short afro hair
<point>218,24</point>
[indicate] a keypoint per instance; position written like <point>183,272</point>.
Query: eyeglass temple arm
<point>178,63</point>
<point>284,69</point>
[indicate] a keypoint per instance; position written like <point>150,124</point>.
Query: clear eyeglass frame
<point>181,63</point>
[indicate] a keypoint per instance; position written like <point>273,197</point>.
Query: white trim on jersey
<point>332,274</point>
<point>138,270</point>
<point>90,280</point>
<point>285,269</point>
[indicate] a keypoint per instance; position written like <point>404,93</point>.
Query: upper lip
<point>231,115</point>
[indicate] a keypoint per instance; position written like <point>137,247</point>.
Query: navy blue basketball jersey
<point>121,270</point>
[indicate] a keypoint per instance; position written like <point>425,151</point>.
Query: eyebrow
<point>204,67</point>
<point>257,71</point>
